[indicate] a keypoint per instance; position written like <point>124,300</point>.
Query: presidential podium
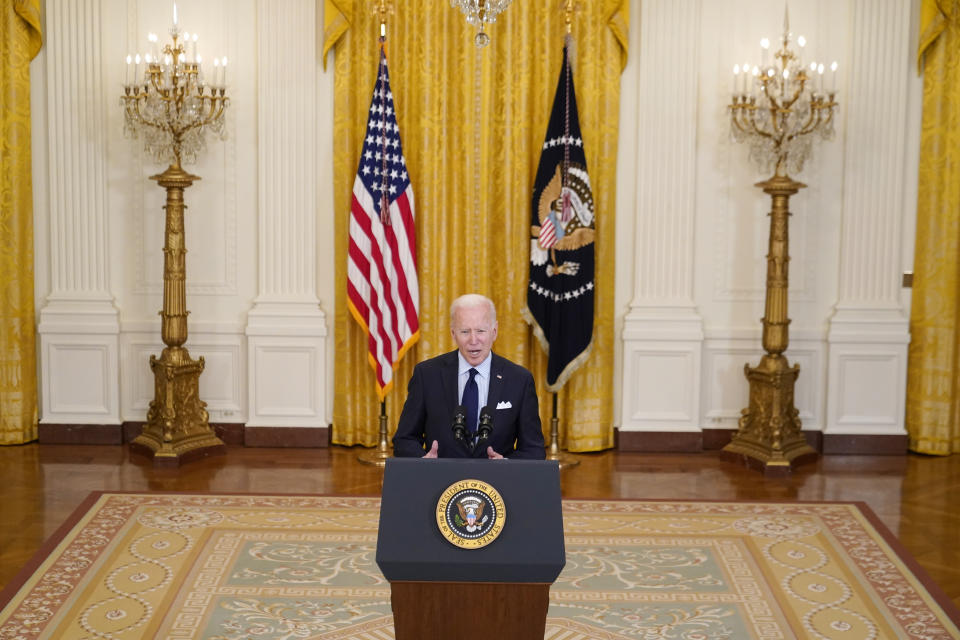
<point>470,546</point>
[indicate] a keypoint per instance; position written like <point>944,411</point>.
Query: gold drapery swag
<point>472,122</point>
<point>933,373</point>
<point>20,41</point>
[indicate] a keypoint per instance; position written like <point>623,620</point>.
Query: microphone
<point>460,425</point>
<point>484,429</point>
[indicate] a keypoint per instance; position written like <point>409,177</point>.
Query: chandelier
<point>169,102</point>
<point>479,13</point>
<point>778,103</point>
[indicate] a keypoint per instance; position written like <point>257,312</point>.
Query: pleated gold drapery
<point>933,373</point>
<point>20,40</point>
<point>472,122</point>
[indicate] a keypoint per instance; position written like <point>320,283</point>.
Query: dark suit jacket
<point>432,399</point>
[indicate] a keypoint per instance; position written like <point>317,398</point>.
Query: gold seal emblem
<point>470,514</point>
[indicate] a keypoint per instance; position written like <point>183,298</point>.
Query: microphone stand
<point>484,429</point>
<point>460,427</point>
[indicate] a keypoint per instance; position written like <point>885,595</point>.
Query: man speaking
<point>470,403</point>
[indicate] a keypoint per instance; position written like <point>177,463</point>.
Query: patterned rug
<point>231,567</point>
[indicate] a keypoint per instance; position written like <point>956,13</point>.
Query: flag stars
<point>564,295</point>
<point>563,141</point>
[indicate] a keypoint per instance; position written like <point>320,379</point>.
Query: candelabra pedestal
<point>769,436</point>
<point>178,427</point>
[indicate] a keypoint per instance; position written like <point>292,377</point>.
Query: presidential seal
<point>470,514</point>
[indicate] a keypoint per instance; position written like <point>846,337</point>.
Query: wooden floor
<point>917,497</point>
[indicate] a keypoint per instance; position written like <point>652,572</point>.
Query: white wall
<point>693,316</point>
<point>691,241</point>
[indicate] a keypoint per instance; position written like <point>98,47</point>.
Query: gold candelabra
<point>777,107</point>
<point>171,107</point>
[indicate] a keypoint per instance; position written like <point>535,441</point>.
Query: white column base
<point>79,372</point>
<point>661,369</point>
<point>286,360</point>
<point>867,372</point>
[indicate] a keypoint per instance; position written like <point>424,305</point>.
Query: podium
<point>497,583</point>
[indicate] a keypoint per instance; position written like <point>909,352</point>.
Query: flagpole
<point>378,457</point>
<point>553,450</point>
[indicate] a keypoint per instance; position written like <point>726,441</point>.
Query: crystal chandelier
<point>777,104</point>
<point>170,104</point>
<point>479,13</point>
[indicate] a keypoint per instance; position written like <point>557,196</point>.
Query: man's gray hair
<point>473,300</point>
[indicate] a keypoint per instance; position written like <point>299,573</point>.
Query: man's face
<point>474,332</point>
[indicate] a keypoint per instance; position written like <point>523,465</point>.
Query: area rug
<point>231,567</point>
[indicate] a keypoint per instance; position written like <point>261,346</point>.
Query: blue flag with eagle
<point>561,289</point>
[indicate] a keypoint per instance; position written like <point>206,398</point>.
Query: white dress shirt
<point>482,378</point>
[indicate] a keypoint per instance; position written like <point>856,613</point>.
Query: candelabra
<point>479,13</point>
<point>171,108</point>
<point>777,108</point>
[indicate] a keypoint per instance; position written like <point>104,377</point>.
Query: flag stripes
<point>382,287</point>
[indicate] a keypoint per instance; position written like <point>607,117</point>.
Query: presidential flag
<point>382,289</point>
<point>561,288</point>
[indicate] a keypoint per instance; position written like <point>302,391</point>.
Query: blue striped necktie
<point>471,401</point>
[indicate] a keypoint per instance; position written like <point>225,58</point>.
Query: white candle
<point>216,72</point>
<point>223,72</point>
<point>820,76</point>
<point>833,77</point>
<point>126,76</point>
<point>153,46</point>
<point>736,75</point>
<point>764,50</point>
<point>136,70</point>
<point>193,49</point>
<point>174,13</point>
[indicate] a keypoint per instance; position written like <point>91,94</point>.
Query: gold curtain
<point>20,40</point>
<point>472,122</point>
<point>933,373</point>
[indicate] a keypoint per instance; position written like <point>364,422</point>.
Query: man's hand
<point>493,455</point>
<point>433,450</point>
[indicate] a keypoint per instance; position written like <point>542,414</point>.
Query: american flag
<point>382,289</point>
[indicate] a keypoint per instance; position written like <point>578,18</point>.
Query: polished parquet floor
<point>917,497</point>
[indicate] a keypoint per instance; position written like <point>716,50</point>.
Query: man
<point>472,376</point>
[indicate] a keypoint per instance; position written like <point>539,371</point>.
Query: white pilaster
<point>79,324</point>
<point>663,332</point>
<point>286,328</point>
<point>869,329</point>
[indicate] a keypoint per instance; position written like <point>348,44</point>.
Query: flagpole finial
<point>382,9</point>
<point>568,8</point>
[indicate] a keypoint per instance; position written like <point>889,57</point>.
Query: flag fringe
<point>382,392</point>
<point>571,367</point>
<point>537,330</point>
